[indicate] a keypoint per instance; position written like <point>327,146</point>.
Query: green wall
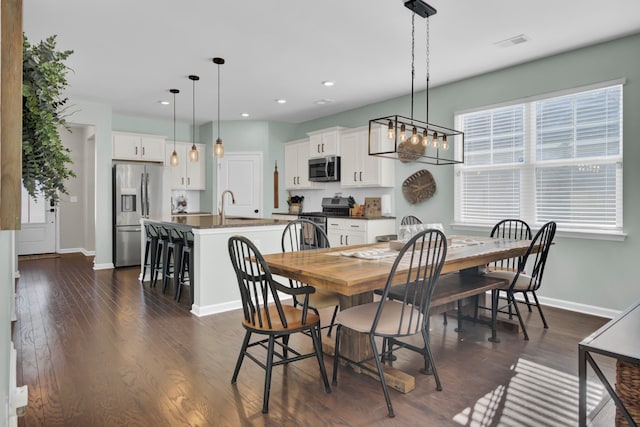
<point>598,273</point>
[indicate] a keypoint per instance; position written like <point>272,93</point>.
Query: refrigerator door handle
<point>142,198</point>
<point>146,192</point>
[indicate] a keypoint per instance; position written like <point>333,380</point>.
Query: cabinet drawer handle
<point>341,239</point>
<point>354,176</point>
<point>188,181</point>
<point>323,147</point>
<point>346,240</point>
<point>143,151</point>
<point>318,148</point>
<point>182,180</point>
<point>136,150</point>
<point>360,176</point>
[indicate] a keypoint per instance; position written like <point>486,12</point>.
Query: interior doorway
<point>241,172</point>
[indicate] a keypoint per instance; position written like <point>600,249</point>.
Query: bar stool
<point>186,263</point>
<point>171,264</point>
<point>158,264</point>
<point>149,250</point>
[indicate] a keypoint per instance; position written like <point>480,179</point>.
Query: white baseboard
<point>83,251</point>
<point>105,266</point>
<point>580,308</point>
<point>208,310</point>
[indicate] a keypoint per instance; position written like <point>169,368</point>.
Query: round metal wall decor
<point>419,187</point>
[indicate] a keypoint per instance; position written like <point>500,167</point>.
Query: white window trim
<point>597,234</point>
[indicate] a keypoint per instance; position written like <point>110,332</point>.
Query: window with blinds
<point>554,158</point>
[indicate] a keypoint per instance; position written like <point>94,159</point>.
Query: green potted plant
<point>44,159</point>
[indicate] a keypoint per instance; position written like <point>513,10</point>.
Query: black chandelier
<point>406,138</point>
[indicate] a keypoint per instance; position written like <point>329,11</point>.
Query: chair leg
<point>285,348</point>
<point>526,300</point>
<point>243,350</point>
<point>376,357</point>
<point>165,267</point>
<point>315,335</point>
<point>429,355</point>
<point>145,262</point>
<point>333,320</point>
<point>444,319</point>
<point>267,378</point>
<point>544,321</point>
<point>336,354</point>
<point>513,302</point>
<point>459,317</point>
<point>158,257</point>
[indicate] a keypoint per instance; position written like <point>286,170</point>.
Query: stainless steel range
<point>331,206</point>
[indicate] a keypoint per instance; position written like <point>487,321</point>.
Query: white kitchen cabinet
<point>348,231</point>
<point>296,166</point>
<point>359,169</point>
<point>132,146</point>
<point>186,175</point>
<point>324,142</point>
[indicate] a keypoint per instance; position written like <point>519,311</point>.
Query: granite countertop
<point>338,216</point>
<point>214,221</point>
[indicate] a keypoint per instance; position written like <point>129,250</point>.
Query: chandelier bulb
<point>435,139</point>
<point>414,136</point>
<point>391,133</point>
<point>403,133</point>
<point>425,138</point>
<point>445,143</point>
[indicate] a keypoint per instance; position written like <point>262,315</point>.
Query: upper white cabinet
<point>186,175</point>
<point>359,169</point>
<point>296,166</point>
<point>324,142</point>
<point>132,146</point>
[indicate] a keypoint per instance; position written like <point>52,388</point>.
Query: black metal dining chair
<point>417,267</point>
<point>265,315</point>
<point>300,235</point>
<point>410,220</point>
<point>523,282</point>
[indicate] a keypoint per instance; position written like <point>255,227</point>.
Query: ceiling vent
<point>521,38</point>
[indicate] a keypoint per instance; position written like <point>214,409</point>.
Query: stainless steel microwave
<point>324,169</point>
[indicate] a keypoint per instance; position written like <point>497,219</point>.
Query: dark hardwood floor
<point>98,349</point>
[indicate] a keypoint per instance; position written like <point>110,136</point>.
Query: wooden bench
<point>453,288</point>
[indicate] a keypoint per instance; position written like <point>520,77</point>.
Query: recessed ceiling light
<point>328,83</point>
<point>281,101</point>
<point>164,102</point>
<point>324,101</point>
<point>245,114</point>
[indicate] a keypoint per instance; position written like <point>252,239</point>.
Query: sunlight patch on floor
<point>536,395</point>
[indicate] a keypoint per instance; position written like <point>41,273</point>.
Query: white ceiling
<point>129,53</point>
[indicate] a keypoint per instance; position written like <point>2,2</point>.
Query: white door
<point>38,233</point>
<point>241,172</point>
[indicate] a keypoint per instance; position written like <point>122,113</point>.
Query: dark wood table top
<point>328,269</point>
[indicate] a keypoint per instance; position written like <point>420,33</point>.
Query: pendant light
<point>218,148</point>
<point>416,146</point>
<point>193,153</point>
<point>173,161</point>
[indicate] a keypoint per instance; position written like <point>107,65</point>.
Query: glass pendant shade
<point>218,148</point>
<point>193,153</point>
<point>173,161</point>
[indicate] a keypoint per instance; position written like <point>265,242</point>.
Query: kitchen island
<point>215,286</point>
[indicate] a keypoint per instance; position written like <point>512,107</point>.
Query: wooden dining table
<point>347,271</point>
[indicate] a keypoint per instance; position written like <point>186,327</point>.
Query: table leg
<point>582,387</point>
<point>355,345</point>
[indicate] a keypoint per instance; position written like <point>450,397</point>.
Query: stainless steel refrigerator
<point>137,193</point>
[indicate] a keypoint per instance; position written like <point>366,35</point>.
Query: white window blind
<point>557,158</point>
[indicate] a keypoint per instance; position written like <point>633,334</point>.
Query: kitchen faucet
<point>233,201</point>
